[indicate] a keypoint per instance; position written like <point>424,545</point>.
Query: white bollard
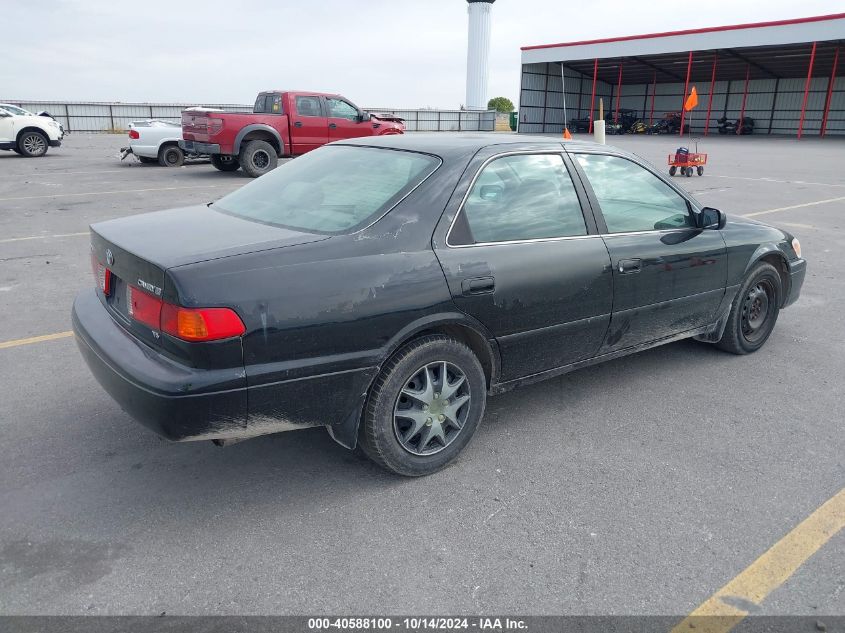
<point>598,131</point>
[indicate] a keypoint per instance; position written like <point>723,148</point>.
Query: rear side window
<point>633,199</point>
<point>333,189</point>
<point>308,106</point>
<point>268,104</point>
<point>522,197</point>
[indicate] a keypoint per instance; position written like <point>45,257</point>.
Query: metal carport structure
<point>786,75</point>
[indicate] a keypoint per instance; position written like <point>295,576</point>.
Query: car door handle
<point>332,126</point>
<point>478,286</point>
<point>629,266</point>
<point>297,124</point>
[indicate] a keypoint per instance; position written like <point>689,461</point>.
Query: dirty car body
<point>325,307</point>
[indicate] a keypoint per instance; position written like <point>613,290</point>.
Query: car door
<point>309,126</point>
<point>668,275</point>
<point>345,120</point>
<point>7,127</point>
<point>523,258</point>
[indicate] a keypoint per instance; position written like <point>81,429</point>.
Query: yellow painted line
<point>794,206</point>
<point>34,339</point>
<point>41,237</point>
<point>109,193</point>
<point>726,608</point>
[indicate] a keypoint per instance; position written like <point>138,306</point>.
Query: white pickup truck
<point>155,140</point>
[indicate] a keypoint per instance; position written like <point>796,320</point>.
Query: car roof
<point>445,144</point>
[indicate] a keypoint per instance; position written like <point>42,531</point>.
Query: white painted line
<point>794,206</point>
<point>72,173</point>
<point>783,182</point>
<point>108,193</point>
<point>41,237</point>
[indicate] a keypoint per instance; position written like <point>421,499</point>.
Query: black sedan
<point>384,287</point>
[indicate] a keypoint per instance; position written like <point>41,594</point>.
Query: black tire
<point>688,172</point>
<point>147,160</point>
<point>742,335</point>
<point>17,151</point>
<point>32,144</point>
<point>171,156</point>
<point>257,158</point>
<point>380,426</point>
<point>224,162</point>
<point>673,170</point>
<point>700,170</point>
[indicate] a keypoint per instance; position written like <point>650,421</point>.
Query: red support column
<point>829,92</point>
<point>744,97</point>
<point>710,98</point>
<point>653,92</point>
<point>618,94</point>
<point>684,96</point>
<point>593,98</point>
<point>806,91</point>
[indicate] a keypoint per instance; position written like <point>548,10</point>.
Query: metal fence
<point>81,116</point>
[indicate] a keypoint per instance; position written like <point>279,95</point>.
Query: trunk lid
<point>138,250</point>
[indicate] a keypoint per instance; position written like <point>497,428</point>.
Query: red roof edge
<point>710,29</point>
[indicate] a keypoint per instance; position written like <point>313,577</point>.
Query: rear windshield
<point>333,189</point>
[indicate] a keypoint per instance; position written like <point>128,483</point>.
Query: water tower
<point>478,53</point>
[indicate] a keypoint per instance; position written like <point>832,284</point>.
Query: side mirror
<point>711,218</point>
<point>363,117</point>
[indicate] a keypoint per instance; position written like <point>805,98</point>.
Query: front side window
<point>523,197</point>
<point>308,106</point>
<point>632,198</point>
<point>333,189</point>
<point>340,109</point>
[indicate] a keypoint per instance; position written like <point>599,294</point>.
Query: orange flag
<point>566,133</point>
<point>692,100</point>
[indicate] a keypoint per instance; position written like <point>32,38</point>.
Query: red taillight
<point>101,274</point>
<point>200,324</point>
<point>134,134</point>
<point>143,307</point>
<point>188,324</point>
<point>213,126</point>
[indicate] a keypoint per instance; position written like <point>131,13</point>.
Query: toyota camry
<point>384,287</point>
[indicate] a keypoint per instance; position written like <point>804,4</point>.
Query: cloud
<point>379,53</point>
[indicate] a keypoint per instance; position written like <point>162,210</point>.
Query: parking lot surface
<point>640,486</point>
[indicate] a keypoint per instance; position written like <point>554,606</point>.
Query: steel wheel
<point>756,310</point>
<point>34,144</point>
<point>432,408</point>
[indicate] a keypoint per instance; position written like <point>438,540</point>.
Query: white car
<point>26,133</point>
<point>154,140</point>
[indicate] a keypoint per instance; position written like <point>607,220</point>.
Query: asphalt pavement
<point>640,486</point>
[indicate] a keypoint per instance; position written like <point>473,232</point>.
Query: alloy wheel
<point>34,144</point>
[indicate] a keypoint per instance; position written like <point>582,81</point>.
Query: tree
<point>500,104</point>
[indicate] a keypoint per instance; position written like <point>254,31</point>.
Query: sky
<point>378,53</point>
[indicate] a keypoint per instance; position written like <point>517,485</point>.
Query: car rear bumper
<point>176,401</point>
<point>195,147</point>
<point>797,272</point>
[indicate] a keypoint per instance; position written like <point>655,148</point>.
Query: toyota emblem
<point>109,257</point>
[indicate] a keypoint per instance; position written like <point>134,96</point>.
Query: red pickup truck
<point>281,124</point>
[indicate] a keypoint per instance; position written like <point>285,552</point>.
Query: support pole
<point>618,93</point>
<point>829,93</point>
<point>744,97</point>
<point>710,98</point>
<point>684,96</point>
<point>593,98</point>
<point>653,93</point>
<point>806,90</point>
